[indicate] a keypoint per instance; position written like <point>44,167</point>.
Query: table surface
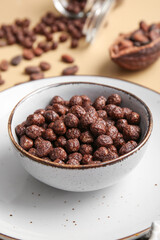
<point>92,59</point>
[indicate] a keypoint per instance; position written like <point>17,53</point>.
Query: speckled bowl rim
<point>65,166</point>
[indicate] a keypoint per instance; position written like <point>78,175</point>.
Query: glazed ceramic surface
<point>31,210</point>
<point>81,178</point>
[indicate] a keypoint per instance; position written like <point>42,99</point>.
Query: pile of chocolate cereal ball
<point>79,132</point>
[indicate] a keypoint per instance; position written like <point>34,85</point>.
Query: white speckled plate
<point>31,210</point>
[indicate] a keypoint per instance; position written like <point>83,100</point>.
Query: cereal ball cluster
<point>79,131</point>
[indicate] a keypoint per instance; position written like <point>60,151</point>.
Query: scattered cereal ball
<point>60,142</point>
<point>86,137</point>
<point>114,99</point>
<point>73,162</point>
<point>48,134</point>
<point>86,149</point>
<point>73,133</point>
<point>133,118</point>
<point>26,142</point>
<point>71,120</point>
<point>43,148</point>
<point>51,116</point>
<point>59,127</point>
<point>72,145</point>
<point>87,159</point>
<point>129,146</point>
<point>78,111</point>
<point>75,155</point>
<point>75,100</point>
<point>104,141</point>
<point>35,119</point>
<point>58,153</point>
<point>121,124</point>
<point>131,132</point>
<point>100,154</point>
<point>57,99</point>
<point>34,131</point>
<point>112,131</point>
<point>100,103</point>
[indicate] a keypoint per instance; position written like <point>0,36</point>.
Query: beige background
<point>93,59</point>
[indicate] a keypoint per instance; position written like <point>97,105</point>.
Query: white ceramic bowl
<point>83,177</point>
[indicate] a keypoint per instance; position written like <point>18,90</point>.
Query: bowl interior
<point>41,98</point>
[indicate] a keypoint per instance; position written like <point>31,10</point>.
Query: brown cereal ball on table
<point>100,154</point>
<point>73,162</point>
<point>114,99</point>
<point>35,119</point>
<point>133,118</point>
<point>26,142</point>
<point>58,161</point>
<point>34,131</point>
<point>57,99</point>
<point>121,124</point>
<point>71,120</point>
<point>43,148</point>
<point>104,141</point>
<point>102,114</point>
<point>127,112</point>
<point>73,133</point>
<point>86,149</point>
<point>87,159</point>
<point>100,103</point>
<point>75,155</point>
<point>60,142</point>
<point>48,134</point>
<point>59,127</point>
<point>98,127</point>
<point>58,153</point>
<point>131,132</point>
<point>117,113</point>
<point>59,109</point>
<point>86,137</point>
<point>129,146</point>
<point>50,116</point>
<point>78,111</point>
<point>112,131</point>
<point>75,100</point>
<point>21,129</point>
<point>72,145</point>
